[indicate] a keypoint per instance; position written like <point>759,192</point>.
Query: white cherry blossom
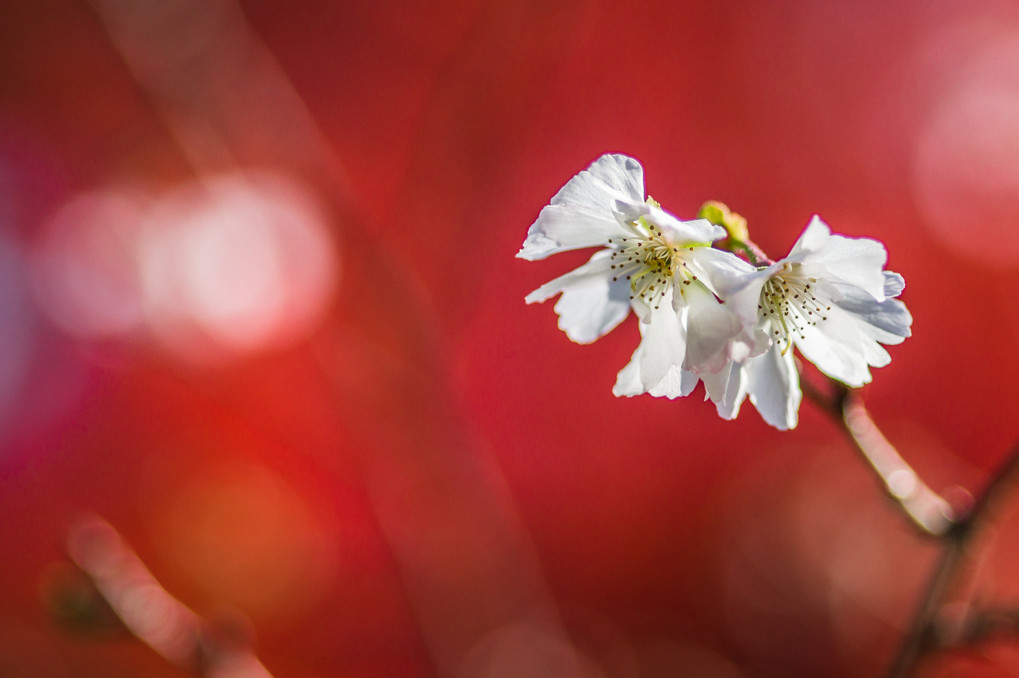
<point>830,298</point>
<point>662,268</point>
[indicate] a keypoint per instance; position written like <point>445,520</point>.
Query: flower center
<point>649,261</point>
<point>789,305</point>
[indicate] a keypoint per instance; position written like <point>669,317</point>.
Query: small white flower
<point>661,267</point>
<point>830,298</point>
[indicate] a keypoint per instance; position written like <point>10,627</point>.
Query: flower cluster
<point>706,314</point>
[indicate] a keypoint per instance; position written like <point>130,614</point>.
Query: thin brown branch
<point>923,633</point>
<point>931,514</point>
<point>919,637</point>
<point>976,627</point>
<point>1005,477</point>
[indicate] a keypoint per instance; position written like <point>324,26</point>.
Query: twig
<point>921,636</point>
<point>929,512</point>
<point>978,627</point>
<point>935,517</point>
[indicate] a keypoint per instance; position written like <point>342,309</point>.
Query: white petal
<point>677,231</point>
<point>641,308</point>
<point>741,351</point>
<point>628,381</point>
<point>656,365</point>
<point>774,387</point>
<point>886,321</point>
<point>568,227</point>
<point>894,284</point>
<point>850,340</point>
<point>727,389</point>
<point>695,231</point>
<point>582,213</point>
<point>742,293</point>
<point>849,261</point>
<point>711,330</point>
<point>715,382</point>
<point>676,383</point>
<point>621,173</point>
<point>720,271</point>
<point>813,238</point>
<point>611,177</point>
<point>841,348</point>
<point>663,342</point>
<point>591,303</point>
<point>739,285</point>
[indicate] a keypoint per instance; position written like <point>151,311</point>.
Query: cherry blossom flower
<point>662,268</point>
<point>830,298</point>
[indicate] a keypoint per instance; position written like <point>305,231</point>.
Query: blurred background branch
<point>211,649</point>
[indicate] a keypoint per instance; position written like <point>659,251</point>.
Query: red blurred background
<point>260,311</point>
